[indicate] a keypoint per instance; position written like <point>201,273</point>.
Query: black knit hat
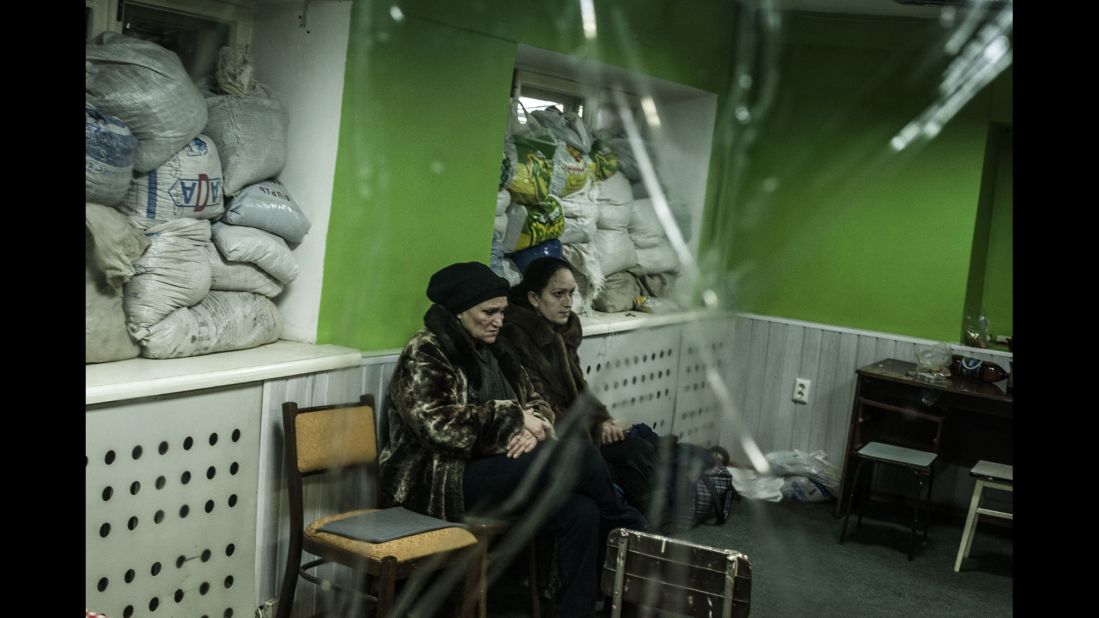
<point>461,286</point>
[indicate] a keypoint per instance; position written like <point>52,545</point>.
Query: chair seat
<point>404,549</point>
<point>900,455</point>
<point>993,471</point>
<point>487,526</point>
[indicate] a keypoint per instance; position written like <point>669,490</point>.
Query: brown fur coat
<point>434,427</point>
<point>549,354</point>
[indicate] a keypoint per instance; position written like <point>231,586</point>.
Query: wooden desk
<point>961,419</point>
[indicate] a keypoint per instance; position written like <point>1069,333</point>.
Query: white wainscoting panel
<point>771,353</point>
<point>170,504</point>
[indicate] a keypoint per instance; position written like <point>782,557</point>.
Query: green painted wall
<point>816,219</point>
<point>423,119</point>
<point>997,299</point>
<point>826,223</point>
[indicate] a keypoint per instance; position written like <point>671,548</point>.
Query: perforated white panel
<point>697,412</point>
<point>633,373</point>
<point>170,504</point>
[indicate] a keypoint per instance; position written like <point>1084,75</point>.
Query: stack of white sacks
<point>199,231</point>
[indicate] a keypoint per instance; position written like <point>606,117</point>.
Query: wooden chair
<point>488,531</point>
<point>643,570</point>
<point>916,461</point>
<point>993,476</point>
<point>338,437</point>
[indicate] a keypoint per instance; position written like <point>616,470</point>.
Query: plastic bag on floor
<point>804,489</point>
<point>752,484</point>
<point>223,321</point>
<point>146,86</point>
<point>799,463</point>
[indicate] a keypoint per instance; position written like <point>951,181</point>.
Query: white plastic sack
<point>614,190</point>
<point>510,271</point>
<point>240,276</point>
<point>500,227</point>
<point>268,206</point>
<point>578,231</point>
<point>614,217</point>
<point>109,149</point>
<point>583,203</point>
<point>174,272</point>
<point>503,199</point>
<point>799,463</point>
<point>567,127</point>
<point>581,212</point>
<point>105,335</point>
<point>223,321</point>
<point>571,171</point>
<point>251,134</point>
<point>615,250</point>
<point>188,185</point>
<point>751,484</point>
<point>235,72</point>
<point>803,489</point>
<point>516,215</point>
<point>116,243</point>
<point>618,293</point>
<point>146,86</point>
<point>645,228</point>
<point>657,284</point>
<point>238,243</point>
<point>627,158</point>
<point>589,275</point>
<point>659,259</point>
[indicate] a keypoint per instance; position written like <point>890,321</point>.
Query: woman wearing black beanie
<point>467,433</point>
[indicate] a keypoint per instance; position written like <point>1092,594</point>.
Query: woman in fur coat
<point>468,433</point>
<point>542,328</point>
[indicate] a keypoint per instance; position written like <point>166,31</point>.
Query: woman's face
<point>483,321</point>
<point>555,301</point>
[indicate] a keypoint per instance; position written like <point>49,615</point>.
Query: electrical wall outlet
<point>801,390</point>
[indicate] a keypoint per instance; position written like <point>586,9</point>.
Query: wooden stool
<point>988,474</point>
<point>919,462</point>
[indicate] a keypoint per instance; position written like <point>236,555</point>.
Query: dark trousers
<point>567,487</point>
<point>633,463</point>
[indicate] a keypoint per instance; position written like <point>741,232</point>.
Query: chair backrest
<point>325,438</point>
<point>332,436</point>
<point>650,570</point>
